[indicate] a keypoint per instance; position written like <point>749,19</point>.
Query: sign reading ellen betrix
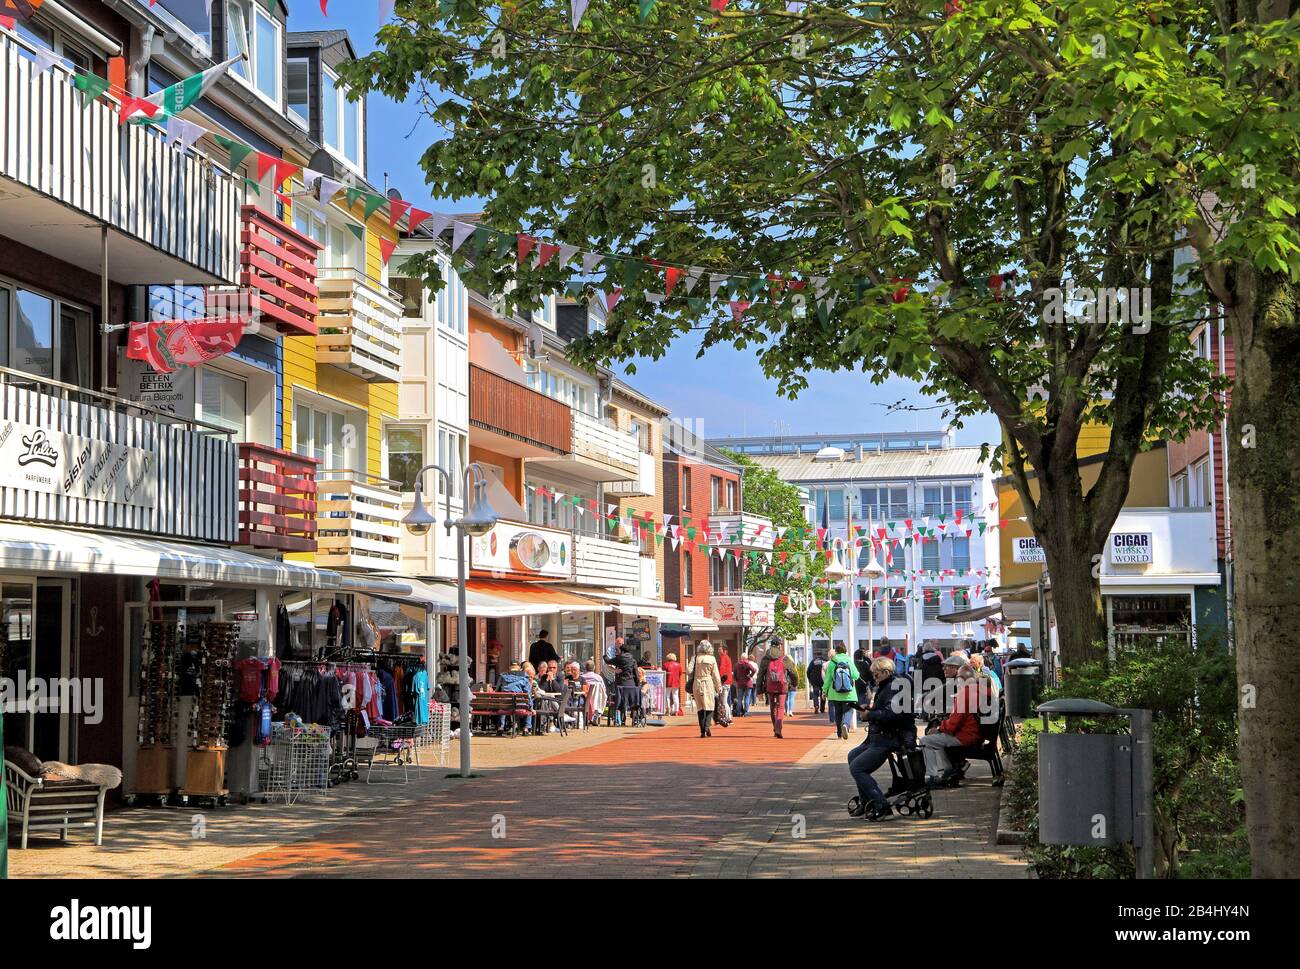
<point>1130,548</point>
<point>71,466</point>
<point>1027,550</point>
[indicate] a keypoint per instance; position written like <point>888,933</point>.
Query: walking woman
<point>777,678</point>
<point>706,685</point>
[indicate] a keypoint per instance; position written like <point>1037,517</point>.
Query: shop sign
<point>515,547</point>
<point>1027,550</point>
<point>1130,548</point>
<point>171,393</point>
<point>72,466</point>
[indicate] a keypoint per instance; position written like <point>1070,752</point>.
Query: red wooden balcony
<point>277,275</point>
<point>277,499</point>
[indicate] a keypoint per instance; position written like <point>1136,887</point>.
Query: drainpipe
<point>1227,495</point>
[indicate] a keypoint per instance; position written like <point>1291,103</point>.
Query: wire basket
<point>295,765</point>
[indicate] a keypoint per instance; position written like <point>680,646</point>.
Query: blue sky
<point>725,389</point>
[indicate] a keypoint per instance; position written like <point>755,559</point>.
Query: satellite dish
<point>394,195</point>
<point>535,339</point>
<point>323,162</point>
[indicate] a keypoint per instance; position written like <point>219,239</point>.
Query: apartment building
<point>928,495</point>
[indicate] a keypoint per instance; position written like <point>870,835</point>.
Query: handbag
<point>690,681</point>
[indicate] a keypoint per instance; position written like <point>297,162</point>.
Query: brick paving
<point>657,802</point>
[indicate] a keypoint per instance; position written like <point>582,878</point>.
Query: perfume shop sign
<point>73,466</point>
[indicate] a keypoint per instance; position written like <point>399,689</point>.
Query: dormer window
<point>342,121</point>
<point>251,31</point>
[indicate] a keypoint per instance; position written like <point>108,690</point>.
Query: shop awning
<point>656,609</point>
<point>972,615</point>
<point>28,548</point>
<point>441,597</point>
<point>532,599</point>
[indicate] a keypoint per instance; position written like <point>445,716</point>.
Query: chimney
<point>860,454</point>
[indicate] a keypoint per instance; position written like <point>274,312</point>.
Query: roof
<point>954,462</point>
<point>320,38</point>
<point>634,395</point>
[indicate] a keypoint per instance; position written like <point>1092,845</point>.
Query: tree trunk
<point>1264,475</point>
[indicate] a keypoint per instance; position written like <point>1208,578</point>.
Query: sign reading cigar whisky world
<point>72,466</point>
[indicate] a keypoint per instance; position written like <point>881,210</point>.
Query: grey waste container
<point>1085,781</point>
<point>1023,685</point>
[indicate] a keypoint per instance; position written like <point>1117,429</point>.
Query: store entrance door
<point>37,649</point>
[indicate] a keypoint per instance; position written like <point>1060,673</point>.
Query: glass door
<point>17,656</point>
<point>52,728</point>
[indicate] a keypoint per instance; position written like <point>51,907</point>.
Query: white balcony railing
<point>360,326</point>
<point>643,486</point>
<point>359,522</point>
<point>76,457</point>
<point>734,529</point>
<point>126,177</point>
<point>597,441</point>
<point>742,608</point>
<point>614,565</point>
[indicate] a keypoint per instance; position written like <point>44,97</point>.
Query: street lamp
<point>478,520</point>
<point>807,607</point>
<point>873,570</point>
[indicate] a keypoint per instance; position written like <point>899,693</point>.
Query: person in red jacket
<point>961,729</point>
<point>722,711</point>
<point>673,684</point>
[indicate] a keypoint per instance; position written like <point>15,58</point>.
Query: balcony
<point>359,522</point>
<point>80,458</point>
<point>512,419</point>
<point>613,565</point>
<point>277,279</point>
<point>597,453</point>
<point>277,499</point>
<point>170,215</point>
<point>360,326</point>
<point>739,529</point>
<point>643,486</point>
<point>742,608</point>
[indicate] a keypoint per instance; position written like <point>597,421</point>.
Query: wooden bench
<point>46,805</point>
<point>513,706</point>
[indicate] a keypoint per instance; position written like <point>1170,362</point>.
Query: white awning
<point>442,598</point>
<point>656,609</point>
<point>36,549</point>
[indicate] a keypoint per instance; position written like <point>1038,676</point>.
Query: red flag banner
<point>168,344</point>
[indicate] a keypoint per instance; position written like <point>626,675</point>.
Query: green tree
<point>960,185</point>
<point>763,493</point>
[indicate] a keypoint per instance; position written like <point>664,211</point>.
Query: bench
<point>52,805</point>
<point>513,706</point>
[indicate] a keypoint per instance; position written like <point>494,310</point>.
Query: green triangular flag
<point>252,186</point>
<point>359,231</point>
<point>981,524</point>
<point>236,151</point>
<point>823,313</point>
<point>755,287</point>
<point>632,268</point>
<point>373,202</point>
<point>482,235</point>
<point>354,196</point>
<point>505,243</point>
<point>91,87</point>
<point>574,288</point>
<point>645,6</point>
<point>696,303</point>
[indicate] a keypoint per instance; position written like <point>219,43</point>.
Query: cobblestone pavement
<point>609,802</point>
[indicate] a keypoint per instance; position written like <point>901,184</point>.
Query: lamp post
<point>478,520</point>
<point>837,573</point>
<point>873,570</point>
<point>807,607</point>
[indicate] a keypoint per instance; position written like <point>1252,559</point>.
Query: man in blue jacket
<point>891,726</point>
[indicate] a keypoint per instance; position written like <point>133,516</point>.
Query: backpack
<point>744,673</point>
<point>842,681</point>
<point>776,676</point>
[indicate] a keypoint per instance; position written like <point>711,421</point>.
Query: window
<point>715,492</point>
<point>686,574</point>
<point>898,610</point>
<point>223,400</point>
<point>884,503</point>
<point>544,315</point>
<point>559,386</point>
<point>341,120</point>
<point>832,498</point>
<point>412,293</point>
<point>930,605</point>
<point>732,503</point>
<point>332,434</point>
<point>1179,496</point>
<point>451,303</point>
<point>641,432</point>
<point>1198,485</point>
<point>451,456</point>
<point>405,454</point>
<point>946,499</point>
<point>837,606</point>
<point>686,490</point>
<point>38,33</point>
<point>299,84</point>
<point>342,248</point>
<point>251,31</point>
<point>960,553</point>
<point>930,556</point>
<point>48,338</point>
<point>193,14</point>
<point>960,598</point>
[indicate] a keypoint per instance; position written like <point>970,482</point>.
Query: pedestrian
<point>890,727</point>
<point>960,729</point>
<point>816,666</point>
<point>862,660</point>
<point>542,650</point>
<point>745,674</point>
<point>593,685</point>
<point>626,683</point>
<point>673,684</point>
<point>841,689</point>
<point>752,694</point>
<point>931,686</point>
<point>705,684</point>
<point>722,715</point>
<point>777,679</point>
<point>889,652</point>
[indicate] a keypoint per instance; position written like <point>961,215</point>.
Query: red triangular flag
<point>718,5</point>
<point>612,297</point>
<point>546,252</point>
<point>386,248</point>
<point>525,245</point>
<point>417,216</point>
<point>396,209</point>
<point>131,104</point>
<point>265,163</point>
<point>671,275</point>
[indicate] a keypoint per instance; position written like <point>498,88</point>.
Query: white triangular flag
<point>566,253</point>
<point>329,187</point>
<point>692,277</point>
<point>45,59</point>
<point>576,9</point>
<point>436,223</point>
<point>655,298</point>
<point>590,260</point>
<point>310,177</point>
<point>794,6</point>
<point>668,519</point>
<point>460,231</point>
<point>716,280</point>
<point>183,133</point>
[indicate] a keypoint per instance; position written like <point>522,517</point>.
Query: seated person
<point>515,680</point>
<point>597,692</point>
<point>961,729</point>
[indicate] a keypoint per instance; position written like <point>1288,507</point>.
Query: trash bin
<point>1085,780</point>
<point>1023,685</point>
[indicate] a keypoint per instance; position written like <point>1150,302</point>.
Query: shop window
<point>405,454</point>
